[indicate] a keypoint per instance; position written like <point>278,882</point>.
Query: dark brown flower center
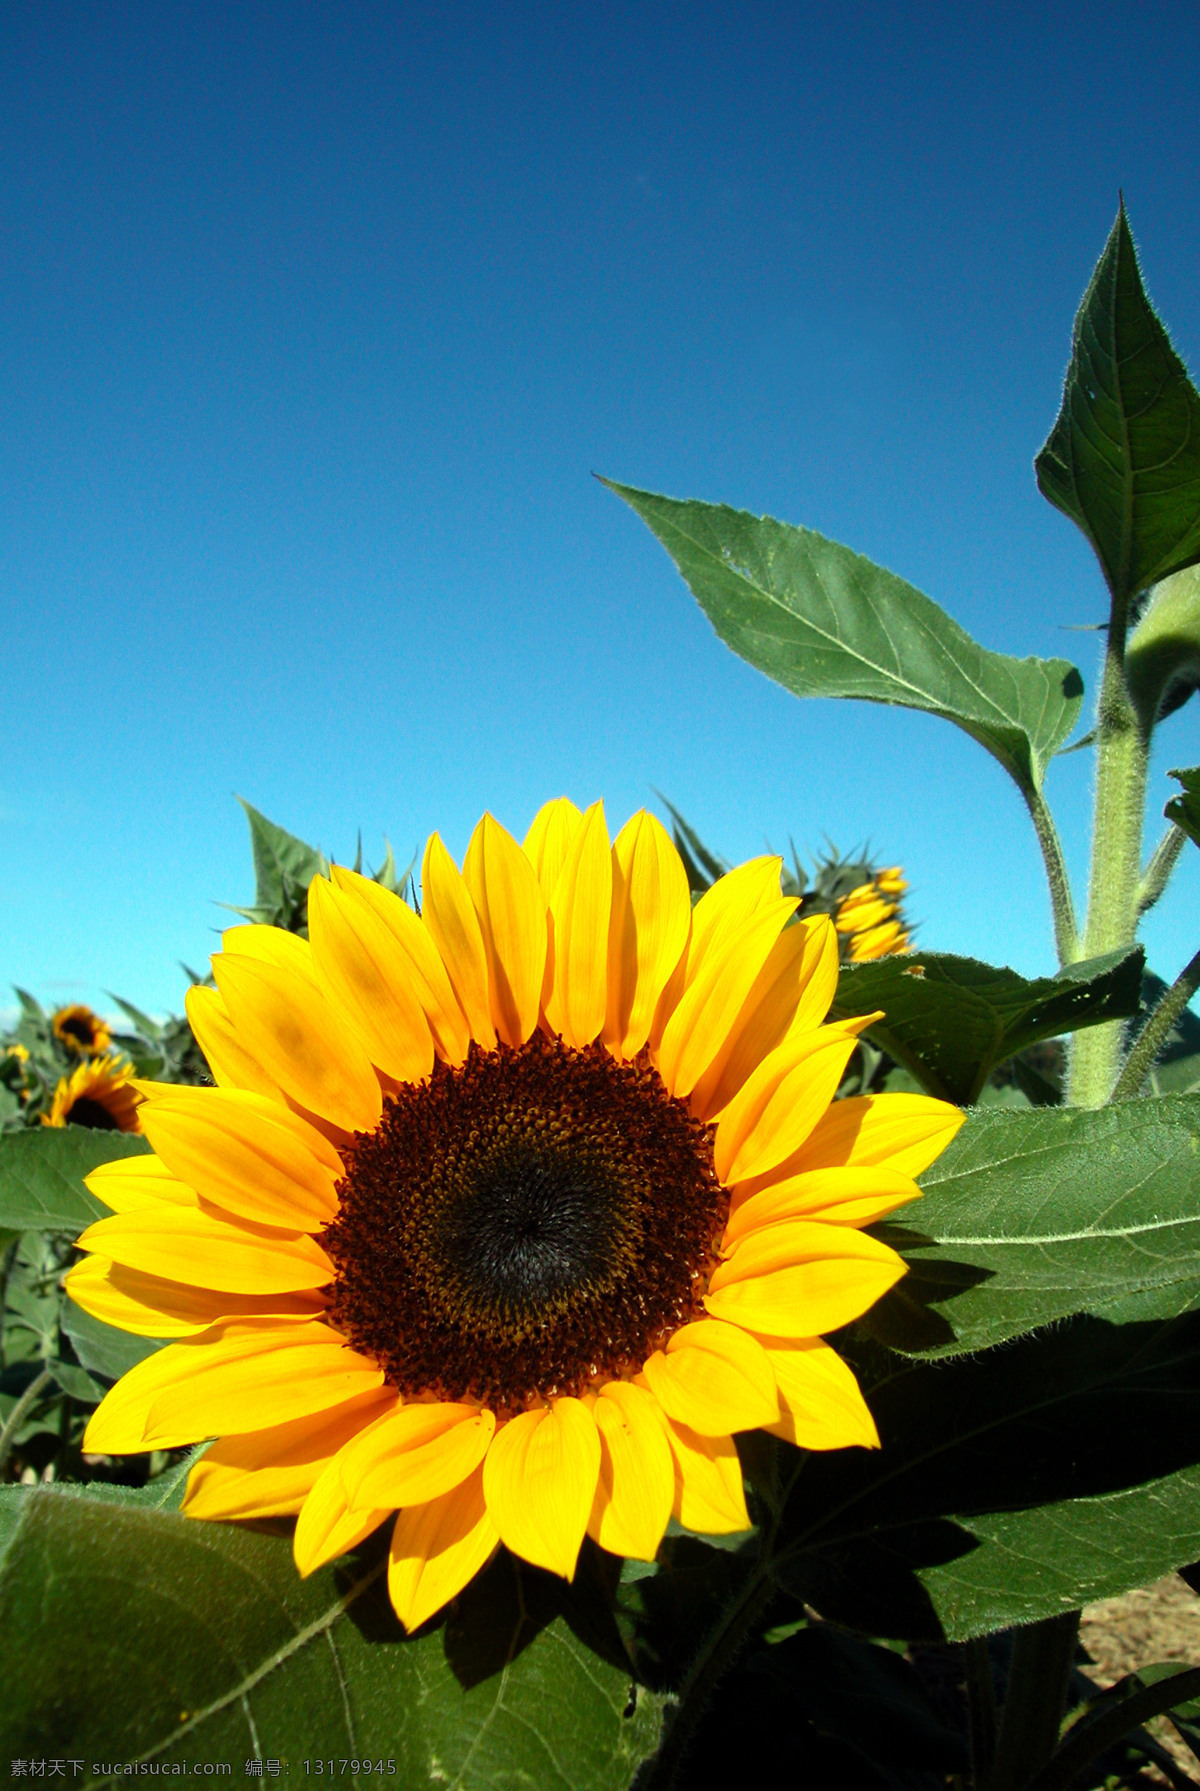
<point>527,1224</point>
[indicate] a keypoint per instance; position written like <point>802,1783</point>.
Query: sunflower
<point>100,1093</point>
<point>83,1032</point>
<point>869,918</point>
<point>504,1218</point>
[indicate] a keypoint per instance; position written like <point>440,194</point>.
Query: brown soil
<point>1119,1635</point>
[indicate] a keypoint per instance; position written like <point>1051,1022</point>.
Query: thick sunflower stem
<point>1066,934</point>
<point>1042,1659</point>
<point>720,1651</point>
<point>981,1709</point>
<point>1122,753</point>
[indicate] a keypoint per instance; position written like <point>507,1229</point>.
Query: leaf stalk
<point>1155,1032</point>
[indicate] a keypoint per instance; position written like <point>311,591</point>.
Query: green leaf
<point>102,1348</point>
<point>1030,1216</point>
<point>951,1021</point>
<point>1010,1486</point>
<point>284,866</point>
<point>823,621</point>
<point>1184,809</point>
<point>42,1171</point>
<point>1123,458</point>
<point>146,1636</point>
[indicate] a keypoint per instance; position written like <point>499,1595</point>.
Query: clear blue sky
<point>316,321</point>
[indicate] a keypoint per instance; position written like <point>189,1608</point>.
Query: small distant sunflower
<point>101,1094</point>
<point>869,918</point>
<point>81,1031</point>
<point>504,1218</point>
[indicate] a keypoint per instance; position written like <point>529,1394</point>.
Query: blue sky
<point>317,321</point>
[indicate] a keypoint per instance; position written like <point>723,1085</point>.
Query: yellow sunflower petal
<point>637,1475</point>
<point>233,1065</point>
<point>722,913</point>
<point>838,1196</point>
<point>823,1406</point>
<point>713,996</point>
<point>800,1278</point>
<point>779,1104</point>
<point>549,840</point>
<point>426,971</point>
<point>512,918</point>
<point>255,1372</point>
<point>790,995</point>
<point>363,971</point>
<point>580,908</point>
<point>271,945</point>
<point>907,1132</point>
<point>714,1378</point>
<point>415,1454</point>
<point>450,915</point>
<point>437,1549</point>
<point>247,1154</point>
<point>709,1495</point>
<point>168,1240</point>
<point>539,1479</point>
<point>151,1306</point>
<point>133,1183</point>
<point>326,1527</point>
<point>308,1049</point>
<point>270,1473</point>
<point>648,930</point>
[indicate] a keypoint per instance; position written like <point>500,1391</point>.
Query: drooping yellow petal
<point>450,915</point>
<point>270,1473</point>
<point>649,923</point>
<point>709,1495</point>
<point>171,1240</point>
<point>233,1065</point>
<point>326,1527</point>
<point>800,1278</point>
<point>363,971</point>
<point>437,1549</point>
<point>133,1183</point>
<point>904,1131</point>
<point>713,996</point>
<point>878,942</point>
<point>790,995</point>
<point>247,1154</point>
<point>636,1487</point>
<point>271,945</point>
<point>580,910</point>
<point>427,973</point>
<point>414,1454</point>
<point>549,840</point>
<point>862,909</point>
<point>837,1196</point>
<point>781,1101</point>
<point>823,1406</point>
<point>306,1048</point>
<point>253,1373</point>
<point>151,1306</point>
<point>512,918</point>
<point>714,1378</point>
<point>539,1479</point>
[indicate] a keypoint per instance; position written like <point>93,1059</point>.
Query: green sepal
<point>1184,809</point>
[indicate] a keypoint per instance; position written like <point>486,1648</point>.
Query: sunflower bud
<point>1162,655</point>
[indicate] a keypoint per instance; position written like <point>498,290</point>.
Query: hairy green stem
<point>1066,934</point>
<point>20,1412</point>
<point>1042,1658</point>
<point>1158,871</point>
<point>719,1654</point>
<point>981,1709</point>
<point>1155,1032</point>
<point>1122,753</point>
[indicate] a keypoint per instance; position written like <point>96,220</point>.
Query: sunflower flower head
<point>83,1032</point>
<point>504,1218</point>
<point>99,1093</point>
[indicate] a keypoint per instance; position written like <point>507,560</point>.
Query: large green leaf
<point>103,1348</point>
<point>142,1636</point>
<point>1010,1486</point>
<point>1123,458</point>
<point>42,1171</point>
<point>823,621</point>
<point>1030,1216</point>
<point>951,1020</point>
